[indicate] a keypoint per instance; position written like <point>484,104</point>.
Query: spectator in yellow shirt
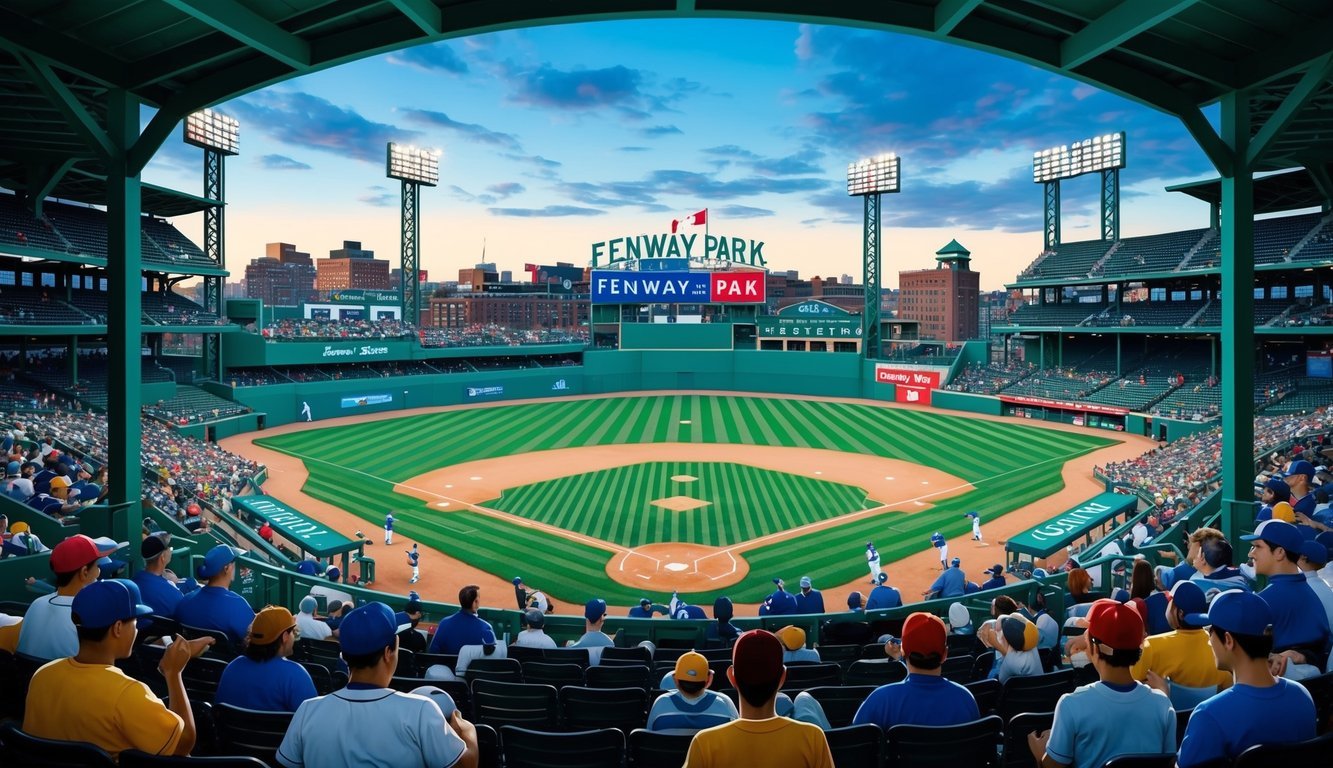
<point>86,698</point>
<point>1182,655</point>
<point>759,737</point>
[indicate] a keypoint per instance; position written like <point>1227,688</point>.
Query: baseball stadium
<point>675,428</point>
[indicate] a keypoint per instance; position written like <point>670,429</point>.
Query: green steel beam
<point>1212,145</point>
<point>1319,175</point>
<point>1288,54</point>
<point>67,103</point>
<point>950,13</point>
<point>1314,80</point>
<point>45,179</point>
<point>77,56</point>
<point>125,305</point>
<point>246,26</point>
<point>154,134</point>
<point>1124,21</point>
<point>1237,322</point>
<point>423,13</point>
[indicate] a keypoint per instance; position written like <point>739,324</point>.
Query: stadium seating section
<point>191,405</point>
<point>1153,253</point>
<point>1056,314</point>
<point>79,230</point>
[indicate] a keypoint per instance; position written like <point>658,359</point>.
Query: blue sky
<point>556,137</point>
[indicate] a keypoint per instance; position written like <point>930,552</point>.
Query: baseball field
<point>710,494</point>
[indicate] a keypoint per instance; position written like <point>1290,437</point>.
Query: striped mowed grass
<point>355,467</point>
<point>739,502</point>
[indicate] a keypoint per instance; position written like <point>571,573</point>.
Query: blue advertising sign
<point>615,287</point>
<point>361,401</point>
<point>495,390</point>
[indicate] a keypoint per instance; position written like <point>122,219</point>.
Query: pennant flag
<point>694,220</point>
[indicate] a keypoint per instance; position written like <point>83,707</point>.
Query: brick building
<point>352,267</point>
<point>284,277</point>
<point>944,299</point>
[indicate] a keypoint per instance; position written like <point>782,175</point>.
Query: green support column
<point>123,333</point>
<point>870,313</point>
<point>72,352</point>
<point>1237,321</point>
<point>1119,368</point>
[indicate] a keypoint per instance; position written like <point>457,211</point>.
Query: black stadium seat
<point>856,745</point>
<point>523,748</point>
<point>658,749</point>
<point>133,758</point>
<point>971,744</point>
<point>19,750</point>
<point>250,732</point>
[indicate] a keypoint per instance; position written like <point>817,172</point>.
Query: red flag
<point>694,219</point>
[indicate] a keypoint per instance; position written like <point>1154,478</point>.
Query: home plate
<point>886,478</point>
<point>442,504</point>
<point>675,566</point>
<point>920,503</point>
<point>475,477</point>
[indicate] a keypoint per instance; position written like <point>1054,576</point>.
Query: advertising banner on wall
<point>910,386</point>
<point>494,390</point>
<point>848,328</point>
<point>361,401</point>
<point>1067,405</point>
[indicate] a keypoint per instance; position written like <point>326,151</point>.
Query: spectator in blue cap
<point>1258,708</point>
<point>520,593</point>
<point>368,723</point>
<point>1273,490</point>
<point>87,698</point>
<point>809,599</point>
<point>779,603</point>
<point>594,639</point>
<point>1298,477</point>
<point>1300,626</point>
<point>951,583</point>
<point>215,606</point>
<point>854,602</point>
<point>883,596</point>
<point>644,610</point>
<point>1314,556</point>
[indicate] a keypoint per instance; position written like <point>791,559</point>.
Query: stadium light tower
<point>1100,154</point>
<point>868,179</point>
<point>219,136</point>
<point>415,168</point>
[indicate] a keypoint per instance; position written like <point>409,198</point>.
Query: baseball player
<point>976,526</point>
<point>938,541</point>
<point>388,528</point>
<point>414,560</point>
<point>872,560</point>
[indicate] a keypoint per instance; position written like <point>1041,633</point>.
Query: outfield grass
<point>744,502</point>
<point>355,468</point>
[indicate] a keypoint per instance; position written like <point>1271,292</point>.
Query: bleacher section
<point>1309,395</point>
<point>1152,313</point>
<point>18,227</point>
<point>182,368</point>
<point>192,405</point>
<point>1273,241</point>
<point>1319,247</point>
<point>1132,392</point>
<point>1317,316</point>
<point>1264,312</point>
<point>37,306</point>
<point>1060,383</point>
<point>1152,253</point>
<point>1069,260</point>
<point>988,379</point>
<point>76,229</point>
<point>171,308</point>
<point>1054,314</point>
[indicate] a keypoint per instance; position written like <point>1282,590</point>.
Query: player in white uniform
<point>872,560</point>
<point>388,528</point>
<point>976,526</point>
<point>369,724</point>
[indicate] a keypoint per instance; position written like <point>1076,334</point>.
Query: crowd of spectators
<point>492,335</point>
<point>308,329</point>
<point>1192,465</point>
<point>989,379</point>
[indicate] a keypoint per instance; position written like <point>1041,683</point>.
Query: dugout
<point>306,534</point>
<point>1086,523</point>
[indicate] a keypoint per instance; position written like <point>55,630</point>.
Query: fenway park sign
<point>614,286</point>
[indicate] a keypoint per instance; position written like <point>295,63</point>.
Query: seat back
<point>583,708</point>
<point>133,758</point>
<point>506,670</point>
<point>982,664</point>
<point>959,669</point>
<point>222,647</point>
<point>856,745</point>
<point>972,744</point>
<point>1016,751</point>
<point>1187,697</point>
<point>522,653</point>
<point>987,694</point>
<point>621,676</point>
<point>1167,760</point>
<point>558,675</point>
<point>802,676</point>
<point>1321,690</point>
<point>21,750</point>
<point>321,677</point>
<point>201,678</point>
<point>865,672</point>
<point>637,654</point>
<point>840,702</point>
<point>1037,693</point>
<point>658,749</point>
<point>963,645</point>
<point>1311,752</point>
<point>1182,720</point>
<point>524,748</point>
<point>250,732</point>
<point>488,746</point>
<point>324,652</point>
<point>427,660</point>
<point>526,705</point>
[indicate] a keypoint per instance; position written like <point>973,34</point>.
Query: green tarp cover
<point>1062,530</point>
<point>295,526</point>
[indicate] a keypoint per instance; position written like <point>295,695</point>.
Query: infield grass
<point>356,467</point>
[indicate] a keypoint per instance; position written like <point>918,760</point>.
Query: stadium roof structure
<point>74,76</point>
<point>1290,190</point>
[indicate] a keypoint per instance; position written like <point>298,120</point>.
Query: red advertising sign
<point>1065,404</point>
<point>915,395</point>
<point>904,377</point>
<point>737,287</point>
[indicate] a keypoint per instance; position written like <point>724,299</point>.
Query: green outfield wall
<point>820,374</point>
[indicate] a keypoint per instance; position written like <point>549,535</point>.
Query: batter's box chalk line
<point>657,564</point>
<point>709,571</point>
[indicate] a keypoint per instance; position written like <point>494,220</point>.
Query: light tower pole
<point>868,179</point>
<point>219,136</point>
<point>1100,154</point>
<point>415,168</point>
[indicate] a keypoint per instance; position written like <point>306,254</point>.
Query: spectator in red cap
<point>925,697</point>
<point>1115,716</point>
<point>47,631</point>
<point>759,737</point>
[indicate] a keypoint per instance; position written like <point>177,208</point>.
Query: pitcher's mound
<point>679,503</point>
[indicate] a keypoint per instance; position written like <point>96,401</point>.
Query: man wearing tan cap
<point>691,706</point>
<point>263,677</point>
